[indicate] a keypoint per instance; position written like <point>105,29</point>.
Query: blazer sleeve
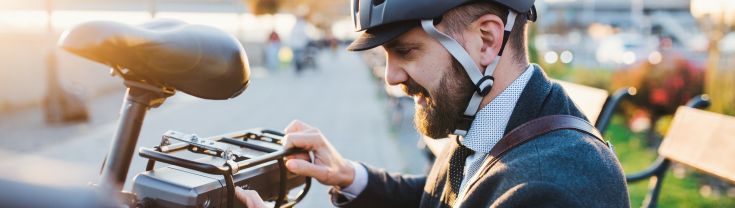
<point>387,190</point>
<point>537,194</point>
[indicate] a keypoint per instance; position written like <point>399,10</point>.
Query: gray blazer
<point>564,168</point>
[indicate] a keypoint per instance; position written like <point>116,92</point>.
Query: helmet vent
<point>378,2</point>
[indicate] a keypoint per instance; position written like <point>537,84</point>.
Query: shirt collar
<point>490,122</point>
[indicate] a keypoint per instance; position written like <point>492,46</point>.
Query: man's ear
<point>491,30</point>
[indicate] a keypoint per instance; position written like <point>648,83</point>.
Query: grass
<point>676,192</point>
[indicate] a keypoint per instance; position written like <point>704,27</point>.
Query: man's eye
<point>404,51</point>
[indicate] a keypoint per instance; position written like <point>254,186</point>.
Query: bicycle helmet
<point>384,20</point>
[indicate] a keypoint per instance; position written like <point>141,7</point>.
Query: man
<point>453,58</point>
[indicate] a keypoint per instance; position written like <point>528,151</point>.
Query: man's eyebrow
<point>392,44</point>
<point>400,44</point>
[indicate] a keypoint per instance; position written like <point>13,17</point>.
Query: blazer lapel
<point>528,106</point>
<point>435,194</point>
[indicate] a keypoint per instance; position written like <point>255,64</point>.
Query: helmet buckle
<point>484,90</point>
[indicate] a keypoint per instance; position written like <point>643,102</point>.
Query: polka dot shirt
<point>489,125</point>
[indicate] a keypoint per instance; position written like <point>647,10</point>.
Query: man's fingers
<point>306,141</point>
<point>299,156</point>
<point>296,126</point>
<point>250,198</point>
<point>302,167</point>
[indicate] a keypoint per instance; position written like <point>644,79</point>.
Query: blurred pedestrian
<point>332,43</point>
<point>273,46</point>
<point>298,42</point>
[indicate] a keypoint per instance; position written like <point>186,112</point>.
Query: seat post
<point>138,98</point>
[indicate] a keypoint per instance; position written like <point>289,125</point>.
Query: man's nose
<point>394,74</point>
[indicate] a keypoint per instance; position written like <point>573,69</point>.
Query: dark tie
<point>456,171</point>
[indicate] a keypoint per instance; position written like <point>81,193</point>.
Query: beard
<point>445,105</point>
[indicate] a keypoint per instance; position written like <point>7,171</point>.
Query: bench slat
<point>589,100</point>
<point>702,140</point>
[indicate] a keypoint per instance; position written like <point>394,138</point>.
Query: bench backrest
<point>589,100</point>
<point>702,140</point>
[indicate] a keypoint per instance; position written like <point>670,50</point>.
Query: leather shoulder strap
<point>540,126</point>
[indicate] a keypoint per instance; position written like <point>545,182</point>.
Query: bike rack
<point>161,152</point>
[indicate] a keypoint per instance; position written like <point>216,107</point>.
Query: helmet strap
<point>483,82</point>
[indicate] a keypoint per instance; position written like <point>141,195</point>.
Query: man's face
<point>429,74</point>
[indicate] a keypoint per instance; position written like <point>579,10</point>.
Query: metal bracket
<point>233,166</point>
<point>204,144</point>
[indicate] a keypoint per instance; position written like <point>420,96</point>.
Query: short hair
<point>459,18</point>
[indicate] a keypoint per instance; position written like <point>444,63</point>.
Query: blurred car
<point>626,48</point>
<point>727,44</point>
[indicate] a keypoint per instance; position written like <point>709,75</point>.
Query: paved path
<point>340,98</point>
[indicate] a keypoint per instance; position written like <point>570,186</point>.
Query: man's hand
<point>250,198</point>
<point>329,168</point>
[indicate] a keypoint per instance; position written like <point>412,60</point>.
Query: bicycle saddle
<point>198,60</point>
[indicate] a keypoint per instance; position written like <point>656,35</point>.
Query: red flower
<point>659,97</point>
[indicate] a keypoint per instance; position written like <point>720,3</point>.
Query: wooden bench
<point>596,104</point>
<point>702,140</point>
<point>696,138</point>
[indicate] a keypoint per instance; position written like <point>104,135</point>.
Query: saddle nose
<point>101,41</point>
<point>195,59</point>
